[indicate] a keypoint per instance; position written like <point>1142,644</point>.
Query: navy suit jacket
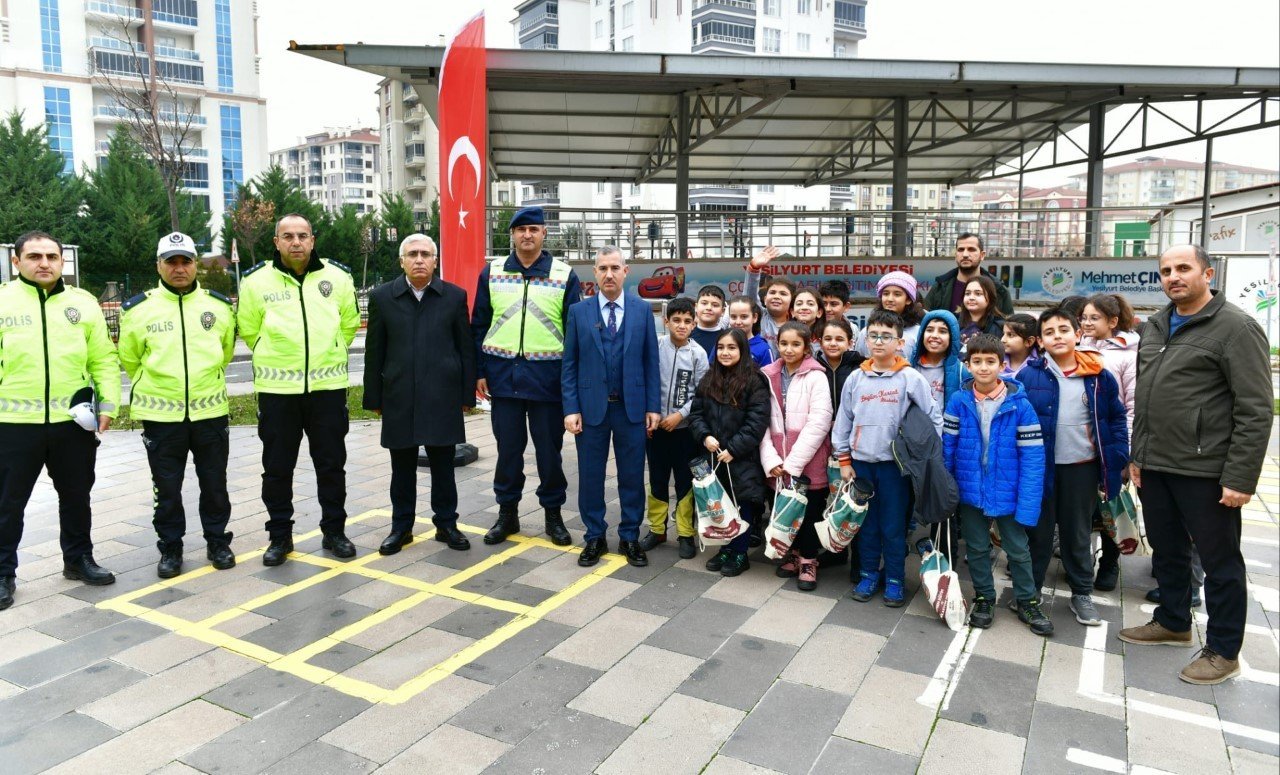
<point>583,378</point>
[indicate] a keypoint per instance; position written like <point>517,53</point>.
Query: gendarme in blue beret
<point>528,216</point>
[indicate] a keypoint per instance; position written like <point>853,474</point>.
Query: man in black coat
<point>419,374</point>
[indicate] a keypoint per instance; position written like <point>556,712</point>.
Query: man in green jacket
<point>947,291</point>
<point>1201,422</point>
<point>298,314</point>
<point>54,353</point>
<point>175,343</point>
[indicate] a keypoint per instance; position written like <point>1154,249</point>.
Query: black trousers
<point>1182,515</point>
<point>807,544</point>
<point>1070,508</point>
<point>669,453</point>
<point>167,445</point>
<point>69,453</point>
<point>404,487</point>
<point>282,420</point>
<point>514,420</point>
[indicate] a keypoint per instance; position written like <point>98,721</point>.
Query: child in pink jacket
<point>798,443</point>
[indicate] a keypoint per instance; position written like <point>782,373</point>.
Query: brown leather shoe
<point>1154,634</point>
<point>1210,668</point>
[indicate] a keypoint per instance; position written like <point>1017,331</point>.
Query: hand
<point>573,423</point>
<point>776,472</point>
<point>725,456</point>
<point>1234,500</point>
<point>711,444</point>
<point>847,474</point>
<point>104,424</point>
<point>651,420</point>
<point>482,387</point>
<point>1135,475</point>
<point>671,421</point>
<point>759,260</point>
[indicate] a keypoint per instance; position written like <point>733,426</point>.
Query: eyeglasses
<point>419,254</point>
<point>290,237</point>
<point>880,338</point>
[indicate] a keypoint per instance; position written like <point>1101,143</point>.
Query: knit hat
<point>901,279</point>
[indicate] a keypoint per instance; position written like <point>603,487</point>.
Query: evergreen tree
<point>34,191</point>
<point>285,197</point>
<point>343,238</point>
<point>395,222</point>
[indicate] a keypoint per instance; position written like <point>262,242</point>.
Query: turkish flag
<point>464,131</point>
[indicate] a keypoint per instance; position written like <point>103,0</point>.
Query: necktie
<point>613,318</point>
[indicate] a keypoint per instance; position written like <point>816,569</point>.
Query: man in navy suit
<point>612,389</point>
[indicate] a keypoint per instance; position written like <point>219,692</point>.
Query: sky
<point>305,96</point>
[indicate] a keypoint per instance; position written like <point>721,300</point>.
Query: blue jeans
<point>977,546</point>
<point>884,531</point>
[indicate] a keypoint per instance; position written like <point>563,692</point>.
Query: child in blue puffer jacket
<point>993,447</point>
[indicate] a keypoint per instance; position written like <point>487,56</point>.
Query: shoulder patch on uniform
<point>218,296</point>
<point>253,268</point>
<point>340,265</point>
<point>133,302</point>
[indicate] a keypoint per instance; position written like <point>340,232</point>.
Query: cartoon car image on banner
<point>666,282</point>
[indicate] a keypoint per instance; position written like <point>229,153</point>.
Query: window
<point>232,153</point>
<point>804,7</point>
<point>772,42</point>
<point>732,33</point>
<point>195,175</point>
<point>802,41</point>
<point>599,188</point>
<point>503,197</point>
<point>628,12</point>
<point>771,7</point>
<point>222,37</point>
<point>50,36</point>
<point>599,28</point>
<point>57,119</point>
<point>178,11</point>
<point>765,189</point>
<point>628,43</point>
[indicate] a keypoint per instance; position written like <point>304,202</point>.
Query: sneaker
<point>652,541</point>
<point>866,587</point>
<point>789,567</point>
<point>688,549</point>
<point>735,565</point>
<point>1030,614</point>
<point>807,578</point>
<point>1154,633</point>
<point>1210,668</point>
<point>1153,596</point>
<point>1086,613</point>
<point>1107,578</point>
<point>894,596</point>
<point>717,562</point>
<point>982,614</point>
<point>924,546</point>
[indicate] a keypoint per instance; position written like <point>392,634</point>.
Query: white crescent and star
<point>463,148</point>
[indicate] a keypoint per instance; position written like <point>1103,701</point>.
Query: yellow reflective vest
<point>528,313</point>
<point>175,349</point>
<point>299,328</point>
<point>52,345</point>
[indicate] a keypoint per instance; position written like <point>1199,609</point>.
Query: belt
<point>613,399</point>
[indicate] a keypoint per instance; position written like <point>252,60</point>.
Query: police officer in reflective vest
<point>298,314</point>
<point>175,343</point>
<point>54,352</point>
<point>522,302</point>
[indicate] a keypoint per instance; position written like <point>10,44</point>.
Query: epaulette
<point>253,268</point>
<point>341,266</point>
<point>133,302</point>
<point>218,296</point>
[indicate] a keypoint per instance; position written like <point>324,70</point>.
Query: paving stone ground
<point>542,667</point>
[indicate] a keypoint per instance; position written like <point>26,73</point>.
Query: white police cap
<point>175,244</point>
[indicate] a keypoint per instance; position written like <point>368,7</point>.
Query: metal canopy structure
<point>694,119</point>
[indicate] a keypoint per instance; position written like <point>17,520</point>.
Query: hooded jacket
<point>1012,481</point>
<point>838,374</point>
<point>1120,357</point>
<point>681,369</point>
<point>872,406</point>
<point>953,371</point>
<point>939,295</point>
<point>799,430</point>
<point>1108,430</point>
<point>918,452</point>
<point>739,427</point>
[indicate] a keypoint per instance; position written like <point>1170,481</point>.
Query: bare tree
<point>146,99</point>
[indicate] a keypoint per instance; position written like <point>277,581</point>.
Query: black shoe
<point>633,552</point>
<point>170,564</point>
<point>1108,576</point>
<point>982,614</point>
<point>591,552</point>
<point>717,561</point>
<point>220,555</point>
<point>338,545</point>
<point>688,549</point>
<point>735,565</point>
<point>394,540</point>
<point>652,541</point>
<point>554,527</point>
<point>452,537</point>
<point>1030,613</point>
<point>7,585</point>
<point>508,524</point>
<point>277,552</point>
<point>755,541</point>
<point>1153,596</point>
<point>85,569</point>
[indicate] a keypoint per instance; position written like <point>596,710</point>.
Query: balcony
<point>731,6</point>
<point>725,44</point>
<point>851,19</point>
<point>415,159</point>
<point>539,20</point>
<point>113,11</point>
<point>416,183</point>
<point>170,52</point>
<point>409,95</point>
<point>117,112</point>
<point>187,153</point>
<point>415,114</point>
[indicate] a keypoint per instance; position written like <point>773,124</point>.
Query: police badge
<point>73,315</point>
<point>207,320</point>
<point>326,288</point>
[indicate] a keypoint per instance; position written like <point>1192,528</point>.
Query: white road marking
<point>936,691</point>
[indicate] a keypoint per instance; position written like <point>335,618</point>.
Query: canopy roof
<point>608,116</point>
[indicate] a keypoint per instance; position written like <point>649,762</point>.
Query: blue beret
<point>528,216</point>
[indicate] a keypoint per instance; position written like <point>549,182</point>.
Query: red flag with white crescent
<point>464,132</point>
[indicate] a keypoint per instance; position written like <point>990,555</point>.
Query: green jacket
<point>52,345</point>
<point>175,349</point>
<point>298,328</point>
<point>939,295</point>
<point>1202,404</point>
